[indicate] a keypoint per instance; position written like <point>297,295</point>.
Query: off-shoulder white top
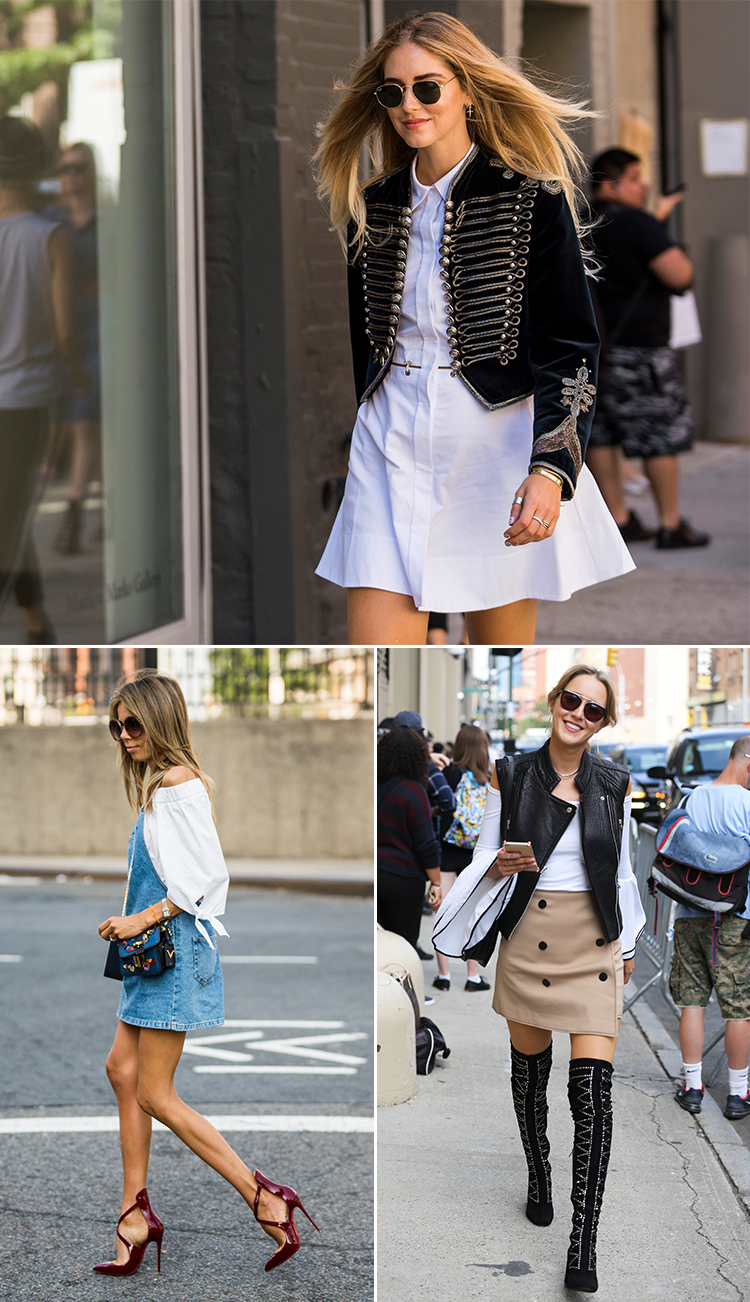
<point>183,843</point>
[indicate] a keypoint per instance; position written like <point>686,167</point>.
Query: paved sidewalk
<point>452,1179</point>
<point>334,876</point>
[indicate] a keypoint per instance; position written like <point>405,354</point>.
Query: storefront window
<point>90,494</point>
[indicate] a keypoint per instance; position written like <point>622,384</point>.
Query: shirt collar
<point>420,191</point>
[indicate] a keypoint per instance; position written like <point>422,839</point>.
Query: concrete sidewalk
<point>452,1178</point>
<point>333,876</point>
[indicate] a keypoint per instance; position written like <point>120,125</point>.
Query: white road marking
<point>297,1046</point>
<point>235,1021</point>
<point>268,958</point>
<point>99,1125</point>
<point>11,958</point>
<point>281,1071</point>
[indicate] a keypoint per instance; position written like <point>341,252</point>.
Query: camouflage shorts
<point>692,977</point>
<point>642,404</point>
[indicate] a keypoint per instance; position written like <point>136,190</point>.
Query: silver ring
<point>518,501</point>
<point>543,523</point>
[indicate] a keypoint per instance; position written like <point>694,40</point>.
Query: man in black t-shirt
<point>641,405</point>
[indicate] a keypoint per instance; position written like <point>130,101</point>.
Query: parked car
<point>649,794</point>
<point>604,748</point>
<point>696,756</point>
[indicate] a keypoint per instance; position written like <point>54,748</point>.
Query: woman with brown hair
<point>176,879</point>
<point>471,754</point>
<point>474,341</point>
<point>569,928</point>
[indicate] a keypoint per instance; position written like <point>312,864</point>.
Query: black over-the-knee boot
<point>590,1094</point>
<point>529,1075</point>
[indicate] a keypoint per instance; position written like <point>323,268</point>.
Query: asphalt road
<point>60,1189</point>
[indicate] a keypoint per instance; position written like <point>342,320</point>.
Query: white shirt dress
<point>433,473</point>
<point>184,848</point>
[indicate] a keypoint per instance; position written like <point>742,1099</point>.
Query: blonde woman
<point>474,341</point>
<point>177,876</point>
<point>569,933</point>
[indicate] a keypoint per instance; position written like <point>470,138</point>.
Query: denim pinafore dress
<point>188,996</point>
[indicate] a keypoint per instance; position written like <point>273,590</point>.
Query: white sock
<point>693,1075</point>
<point>475,979</point>
<point>738,1082</point>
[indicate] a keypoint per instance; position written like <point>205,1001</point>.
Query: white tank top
<point>565,869</point>
<point>30,364</point>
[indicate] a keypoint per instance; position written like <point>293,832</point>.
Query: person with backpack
<point>468,775</point>
<point>708,957</point>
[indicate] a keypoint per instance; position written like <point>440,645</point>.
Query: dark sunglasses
<point>591,711</point>
<point>133,728</point>
<point>426,92</point>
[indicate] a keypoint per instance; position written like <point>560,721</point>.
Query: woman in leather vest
<point>568,941</point>
<point>474,343</point>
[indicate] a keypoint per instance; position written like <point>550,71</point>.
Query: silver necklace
<point>568,775</point>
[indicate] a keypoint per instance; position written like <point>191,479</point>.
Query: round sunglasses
<point>591,711</point>
<point>391,95</point>
<point>132,727</point>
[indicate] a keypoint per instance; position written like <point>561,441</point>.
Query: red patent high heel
<point>136,1250</point>
<point>291,1199</point>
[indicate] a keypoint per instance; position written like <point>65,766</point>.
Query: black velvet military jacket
<point>541,818</point>
<point>520,319</point>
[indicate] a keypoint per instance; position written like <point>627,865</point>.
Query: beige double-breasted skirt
<point>558,970</point>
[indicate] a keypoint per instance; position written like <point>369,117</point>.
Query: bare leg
<point>513,623</point>
<point>446,881</point>
<point>593,1046</point>
<point>85,440</point>
<point>737,1044</point>
<point>158,1056</point>
<point>692,1034</point>
<point>135,1131</point>
<point>529,1039</point>
<point>436,637</point>
<point>606,467</point>
<point>664,477</point>
<point>377,616</point>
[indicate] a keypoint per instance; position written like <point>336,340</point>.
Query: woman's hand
<point>124,928</point>
<point>627,969</point>
<point>541,498</point>
<point>509,862</point>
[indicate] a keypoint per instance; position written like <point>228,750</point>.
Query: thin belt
<point>417,366</point>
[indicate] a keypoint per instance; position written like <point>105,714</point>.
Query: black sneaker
<point>690,1100</point>
<point>425,957</point>
<point>442,983</point>
<point>683,536</point>
<point>737,1107</point>
<point>477,985</point>
<point>634,530</point>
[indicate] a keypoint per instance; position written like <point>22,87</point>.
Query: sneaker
<point>442,983</point>
<point>737,1107</point>
<point>425,957</point>
<point>634,530</point>
<point>429,999</point>
<point>481,984</point>
<point>690,1100</point>
<point>683,536</point>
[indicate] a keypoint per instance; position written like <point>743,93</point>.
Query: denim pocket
<point>204,961</point>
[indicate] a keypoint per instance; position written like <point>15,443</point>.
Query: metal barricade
<point>657,940</point>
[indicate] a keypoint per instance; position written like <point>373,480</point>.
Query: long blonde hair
<point>515,121</point>
<point>157,702</point>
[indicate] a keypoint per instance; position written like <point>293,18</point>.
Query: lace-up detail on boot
<point>529,1077</point>
<point>590,1095</point>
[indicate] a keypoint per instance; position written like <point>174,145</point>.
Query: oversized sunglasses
<point>426,92</point>
<point>131,726</point>
<point>591,711</point>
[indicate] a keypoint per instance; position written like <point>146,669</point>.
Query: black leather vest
<point>541,818</point>
<point>520,319</point>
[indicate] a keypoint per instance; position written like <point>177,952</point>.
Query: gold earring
<point>470,114</point>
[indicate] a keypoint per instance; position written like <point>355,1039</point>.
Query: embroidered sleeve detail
<point>577,394</point>
<point>552,187</point>
<point>563,439</point>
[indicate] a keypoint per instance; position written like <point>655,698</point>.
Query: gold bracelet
<point>548,474</point>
